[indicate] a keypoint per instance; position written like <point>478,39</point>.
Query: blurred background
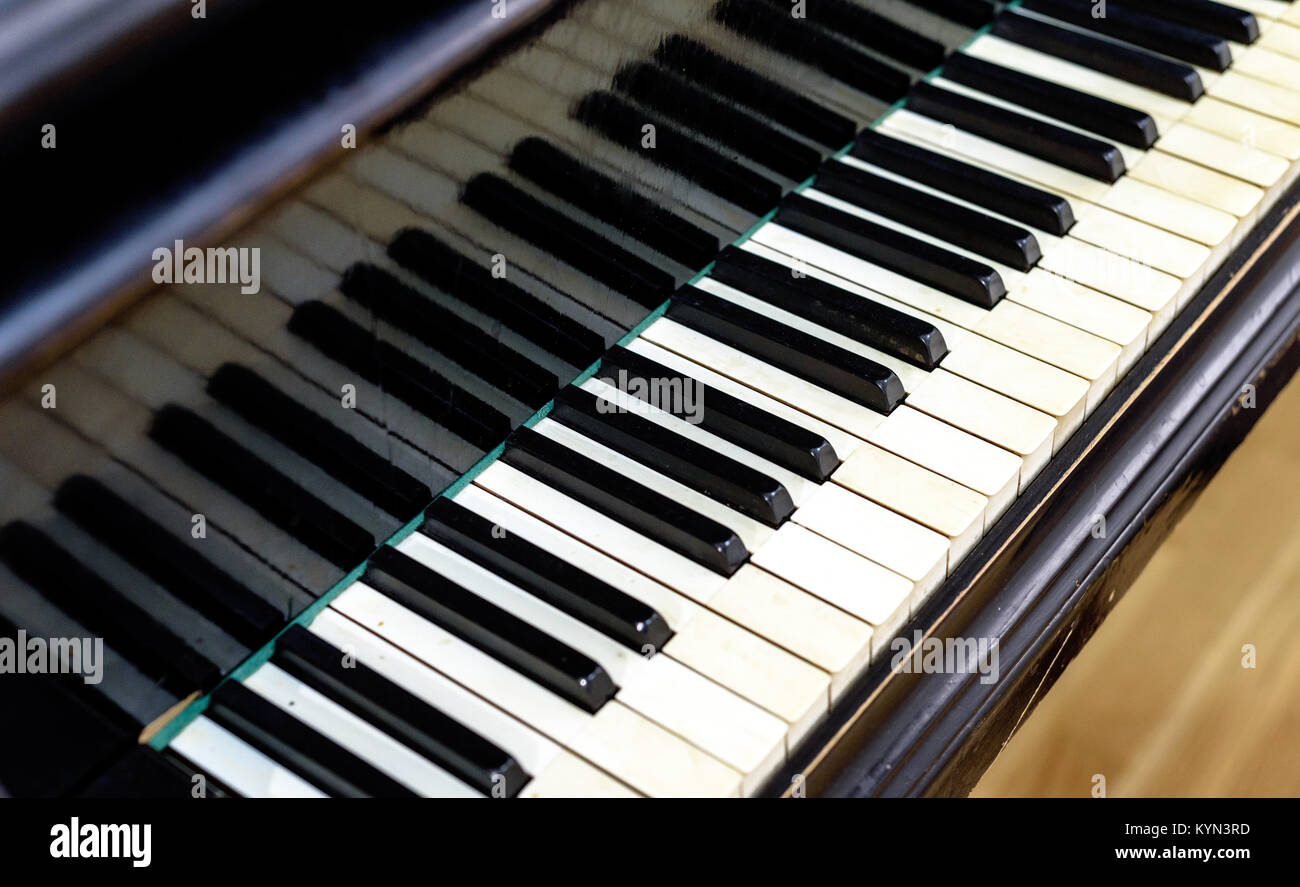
<point>1159,702</point>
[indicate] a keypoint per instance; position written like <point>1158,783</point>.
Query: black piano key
<point>861,25</point>
<point>424,255</point>
<point>613,202</point>
<point>804,40</point>
<point>68,584</point>
<point>955,224</point>
<point>717,476</point>
<point>1084,110</point>
<point>319,440</point>
<point>462,342</point>
<point>439,738</point>
<point>849,314</point>
<point>629,621</point>
<point>942,269</point>
<point>1223,19</point>
<point>973,13</point>
<point>145,773</point>
<point>56,738</point>
<point>1038,138</point>
<point>1122,62</point>
<point>584,249</point>
<point>699,64</point>
<point>664,520</point>
<point>502,635</point>
<point>664,92</point>
<point>1128,23</point>
<point>167,560</point>
<point>298,747</point>
<point>1024,203</point>
<point>676,150</point>
<point>778,440</point>
<point>268,492</point>
<point>847,374</point>
<point>409,380</point>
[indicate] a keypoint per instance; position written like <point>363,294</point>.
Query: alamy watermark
<point>920,655</point>
<point>229,264</point>
<point>37,655</point>
<point>680,396</point>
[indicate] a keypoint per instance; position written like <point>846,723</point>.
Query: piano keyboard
<point>878,297</point>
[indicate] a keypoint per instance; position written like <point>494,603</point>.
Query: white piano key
<point>1028,331</point>
<point>1079,306</point>
<point>1181,215</point>
<point>989,470</point>
<point>1178,176</point>
<point>534,752</point>
<point>1281,38</point>
<point>799,487</point>
<point>1271,67</point>
<point>725,652</point>
<point>215,750</point>
<point>1132,156</point>
<point>981,360</point>
<point>615,739</point>
<point>842,442</point>
<point>937,502</point>
<point>1235,158</point>
<point>739,734</point>
<point>750,531</point>
<point>835,642</point>
<point>772,609</point>
<point>363,739</point>
<point>785,387</point>
<point>860,587</point>
<point>606,534</point>
<point>569,776</point>
<point>1268,99</point>
<point>888,538</point>
<point>979,150</point>
<point>999,420</point>
<point>1246,127</point>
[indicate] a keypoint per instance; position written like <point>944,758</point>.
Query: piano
<point>537,399</point>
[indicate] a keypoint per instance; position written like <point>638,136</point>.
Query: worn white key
<point>1271,67</point>
<point>358,736</point>
<point>724,651</point>
<point>534,752</point>
<point>1256,95</point>
<point>615,739</point>
<point>1010,425</point>
<point>1087,307</point>
<point>786,387</point>
<point>799,487</point>
<point>1165,110</point>
<point>1246,127</point>
<point>1251,164</point>
<point>1035,334</point>
<point>841,577</point>
<point>1281,38</point>
<point>834,641</point>
<point>842,442</point>
<point>737,733</point>
<point>215,750</point>
<point>1178,176</point>
<point>1146,203</point>
<point>750,531</point>
<point>889,539</point>
<point>981,360</point>
<point>569,776</point>
<point>1127,237</point>
<point>937,502</point>
<point>989,470</point>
